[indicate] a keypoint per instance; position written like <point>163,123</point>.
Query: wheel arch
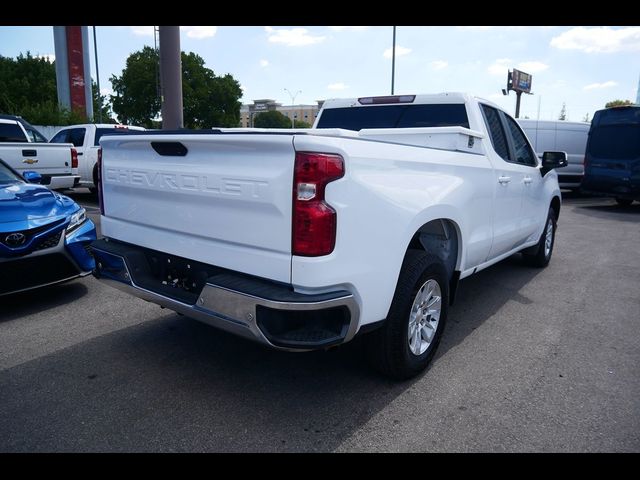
<point>442,238</point>
<point>555,204</point>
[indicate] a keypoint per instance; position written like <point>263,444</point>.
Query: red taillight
<point>314,221</point>
<point>99,172</point>
<point>74,158</point>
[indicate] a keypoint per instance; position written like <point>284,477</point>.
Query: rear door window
<point>524,153</point>
<point>496,132</point>
<point>76,136</point>
<point>61,137</point>
<point>11,132</point>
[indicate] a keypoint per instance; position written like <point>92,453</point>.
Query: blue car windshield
<point>7,176</point>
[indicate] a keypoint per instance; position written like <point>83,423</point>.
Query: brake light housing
<point>314,220</point>
<point>99,185</point>
<point>74,158</point>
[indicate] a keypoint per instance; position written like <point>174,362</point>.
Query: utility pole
<point>393,60</point>
<point>171,77</point>
<point>293,99</point>
<point>518,95</point>
<point>95,49</point>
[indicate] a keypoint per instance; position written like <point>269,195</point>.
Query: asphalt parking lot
<point>531,360</point>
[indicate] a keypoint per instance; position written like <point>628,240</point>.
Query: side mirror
<point>551,160</point>
<point>32,177</point>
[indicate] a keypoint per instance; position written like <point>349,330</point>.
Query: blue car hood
<point>24,206</point>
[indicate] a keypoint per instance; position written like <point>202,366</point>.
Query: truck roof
<point>103,125</point>
<point>430,98</point>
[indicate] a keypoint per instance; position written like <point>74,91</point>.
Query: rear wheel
<point>624,202</point>
<point>541,254</point>
<point>94,189</point>
<point>407,342</point>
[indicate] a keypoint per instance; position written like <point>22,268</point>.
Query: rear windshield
<point>111,131</point>
<point>616,142</point>
<point>11,132</point>
<point>395,116</point>
<point>615,116</point>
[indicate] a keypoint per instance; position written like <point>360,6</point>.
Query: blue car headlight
<point>77,219</point>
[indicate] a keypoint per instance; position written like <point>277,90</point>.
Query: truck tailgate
<point>44,158</point>
<point>226,201</point>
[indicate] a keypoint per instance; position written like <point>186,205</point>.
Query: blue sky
<point>583,67</point>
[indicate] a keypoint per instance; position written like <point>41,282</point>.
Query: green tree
<point>208,100</point>
<point>618,103</point>
<point>302,124</point>
<point>135,100</point>
<point>563,112</point>
<point>100,104</point>
<point>26,81</point>
<point>28,89</point>
<point>271,119</point>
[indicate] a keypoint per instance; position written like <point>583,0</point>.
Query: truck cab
<point>86,139</point>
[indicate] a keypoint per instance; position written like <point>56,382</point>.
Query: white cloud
<point>607,84</point>
<point>106,91</point>
<point>49,57</point>
<point>337,86</point>
<point>353,29</point>
<point>400,51</point>
<point>502,65</point>
<point>499,67</point>
<point>199,32</point>
<point>264,63</point>
<point>143,31</point>
<point>599,39</point>
<point>439,64</point>
<point>532,67</point>
<point>294,37</point>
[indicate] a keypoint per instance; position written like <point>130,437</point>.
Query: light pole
<point>393,60</point>
<point>293,99</point>
<point>95,49</point>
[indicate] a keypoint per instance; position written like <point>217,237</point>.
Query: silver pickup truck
<point>23,148</point>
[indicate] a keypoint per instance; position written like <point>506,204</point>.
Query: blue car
<point>44,236</point>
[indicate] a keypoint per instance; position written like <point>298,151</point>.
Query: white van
<point>560,136</point>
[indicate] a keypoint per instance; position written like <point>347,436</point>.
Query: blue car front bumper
<point>49,256</point>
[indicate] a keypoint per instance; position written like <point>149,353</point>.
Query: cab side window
<point>523,152</point>
<point>496,132</point>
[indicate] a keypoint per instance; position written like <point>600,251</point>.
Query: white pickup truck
<point>301,239</point>
<point>86,139</point>
<point>23,148</point>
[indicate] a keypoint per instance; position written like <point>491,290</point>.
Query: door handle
<point>527,180</point>
<point>504,180</point>
<point>80,154</point>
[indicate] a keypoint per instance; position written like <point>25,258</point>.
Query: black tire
<point>94,189</point>
<point>538,256</point>
<point>624,202</point>
<point>388,347</point>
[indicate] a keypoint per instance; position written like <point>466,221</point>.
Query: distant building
<point>305,113</point>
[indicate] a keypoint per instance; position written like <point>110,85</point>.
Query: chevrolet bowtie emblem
<point>30,161</point>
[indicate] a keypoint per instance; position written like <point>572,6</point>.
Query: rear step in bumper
<point>257,309</point>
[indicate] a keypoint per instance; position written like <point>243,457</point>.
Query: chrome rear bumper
<point>240,312</point>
